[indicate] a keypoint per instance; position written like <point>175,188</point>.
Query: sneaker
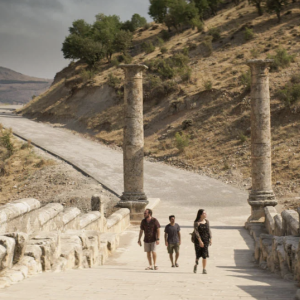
<point>195,269</point>
<point>204,271</point>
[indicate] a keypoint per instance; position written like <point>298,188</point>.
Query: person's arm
<point>179,235</point>
<point>197,234</point>
<point>157,236</point>
<point>166,239</point>
<point>210,235</point>
<point>140,236</point>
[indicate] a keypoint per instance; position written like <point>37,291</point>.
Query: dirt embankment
<point>212,107</point>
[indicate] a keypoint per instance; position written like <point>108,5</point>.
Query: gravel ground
<point>61,183</point>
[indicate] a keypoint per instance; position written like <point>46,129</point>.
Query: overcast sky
<point>32,31</point>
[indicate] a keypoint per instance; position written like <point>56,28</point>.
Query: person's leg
<point>171,258</point>
<point>204,265</point>
<point>154,258</point>
<point>149,259</point>
<point>176,255</point>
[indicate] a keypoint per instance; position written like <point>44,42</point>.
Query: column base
<point>258,200</point>
<point>136,208</point>
<point>133,196</point>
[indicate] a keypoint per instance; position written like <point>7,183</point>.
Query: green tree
<point>158,10</point>
<point>123,41</point>
<point>138,21</point>
<point>202,6</point>
<point>77,47</point>
<point>80,28</point>
<point>277,7</point>
<point>105,30</point>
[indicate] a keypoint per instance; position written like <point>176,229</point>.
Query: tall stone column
<point>133,196</point>
<point>262,193</point>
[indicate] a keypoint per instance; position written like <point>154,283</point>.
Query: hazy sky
<point>32,31</point>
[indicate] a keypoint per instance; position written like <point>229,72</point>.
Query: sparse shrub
<point>192,46</point>
<point>208,45</point>
<point>26,145</point>
<point>186,74</point>
<point>254,53</point>
<point>160,42</point>
<point>147,26</point>
<point>295,78</point>
<point>245,79</point>
<point>115,62</point>
<point>165,35</point>
<point>163,50</point>
<point>33,96</point>
<point>248,34</point>
<point>208,85</point>
<point>185,51</point>
<point>242,138</point>
<point>154,81</point>
<point>226,166</point>
<point>215,33</point>
<point>290,94</point>
<point>87,75</point>
<point>181,141</point>
<point>6,142</point>
<point>148,47</point>
<point>113,81</point>
<point>196,23</point>
<point>281,59</point>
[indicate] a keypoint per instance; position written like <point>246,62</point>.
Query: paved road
<point>231,271</point>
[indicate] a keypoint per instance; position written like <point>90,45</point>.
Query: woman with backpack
<point>202,239</point>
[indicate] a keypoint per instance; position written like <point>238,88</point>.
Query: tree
<point>105,30</point>
<point>257,4</point>
<point>138,21</point>
<point>213,5</point>
<point>123,41</point>
<point>276,6</point>
<point>77,47</point>
<point>202,6</point>
<point>80,28</point>
<point>158,10</point>
<point>128,26</point>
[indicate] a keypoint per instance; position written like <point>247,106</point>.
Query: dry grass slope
<point>209,105</point>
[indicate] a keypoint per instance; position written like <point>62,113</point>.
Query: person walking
<point>173,240</point>
<point>151,229</point>
<point>203,239</point>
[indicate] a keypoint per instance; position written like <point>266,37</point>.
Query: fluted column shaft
<point>133,143</point>
<point>262,193</point>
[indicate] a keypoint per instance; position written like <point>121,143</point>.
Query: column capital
<point>259,66</point>
<point>138,67</point>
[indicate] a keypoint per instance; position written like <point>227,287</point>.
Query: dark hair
<point>149,211</point>
<point>172,216</point>
<point>199,214</point>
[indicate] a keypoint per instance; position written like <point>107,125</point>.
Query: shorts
<point>150,247</point>
<point>173,247</point>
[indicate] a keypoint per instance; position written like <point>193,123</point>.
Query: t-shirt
<point>150,230</point>
<point>172,232</point>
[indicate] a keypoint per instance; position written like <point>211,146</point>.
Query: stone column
<point>133,196</point>
<point>262,193</point>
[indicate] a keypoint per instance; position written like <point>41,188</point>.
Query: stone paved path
<point>231,271</point>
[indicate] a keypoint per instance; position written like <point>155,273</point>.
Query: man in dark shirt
<point>173,240</point>
<point>150,226</point>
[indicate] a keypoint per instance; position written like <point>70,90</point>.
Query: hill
<point>16,88</point>
<point>208,103</point>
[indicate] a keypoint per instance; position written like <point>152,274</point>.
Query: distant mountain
<point>16,88</point>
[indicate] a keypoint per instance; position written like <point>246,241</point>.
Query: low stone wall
<point>277,241</point>
<point>34,239</point>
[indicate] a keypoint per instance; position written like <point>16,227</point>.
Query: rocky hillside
<point>197,86</point>
<point>16,88</point>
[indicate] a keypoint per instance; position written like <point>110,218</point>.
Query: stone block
<point>90,221</point>
<point>270,213</point>
<point>60,265</point>
<point>21,239</point>
<point>67,219</point>
<point>290,222</point>
<point>112,240</point>
<point>72,252</point>
<point>9,244</point>
<point>266,241</point>
<point>34,251</point>
<point>278,229</point>
<point>118,221</point>
<point>49,242</point>
<point>291,245</point>
<point>33,266</point>
<point>136,208</point>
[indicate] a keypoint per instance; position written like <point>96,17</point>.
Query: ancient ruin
<point>133,196</point>
<point>262,193</point>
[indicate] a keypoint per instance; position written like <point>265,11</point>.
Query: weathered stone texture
<point>262,193</point>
